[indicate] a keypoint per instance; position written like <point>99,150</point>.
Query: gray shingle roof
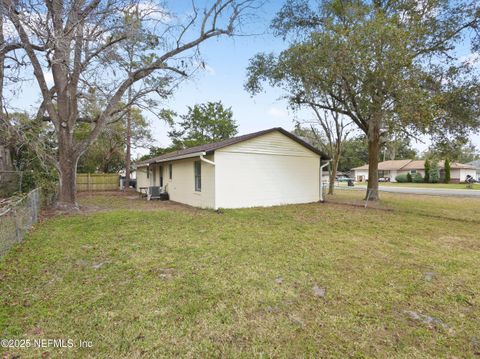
<point>475,164</point>
<point>211,147</point>
<point>411,165</point>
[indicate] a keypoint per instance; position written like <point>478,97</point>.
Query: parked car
<point>133,182</point>
<point>344,179</point>
<point>384,179</point>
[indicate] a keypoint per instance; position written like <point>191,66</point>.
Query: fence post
<point>17,229</point>
<point>34,205</point>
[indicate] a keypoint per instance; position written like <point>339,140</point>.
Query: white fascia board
<point>190,155</point>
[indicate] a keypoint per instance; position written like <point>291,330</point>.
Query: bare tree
<point>78,41</point>
<point>329,128</point>
<point>335,129</point>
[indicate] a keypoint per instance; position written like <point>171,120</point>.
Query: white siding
<point>268,170</point>
<point>142,180</point>
<point>392,175</point>
<point>181,188</point>
<point>464,172</point>
<point>361,173</point>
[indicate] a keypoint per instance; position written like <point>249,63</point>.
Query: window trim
<point>197,176</point>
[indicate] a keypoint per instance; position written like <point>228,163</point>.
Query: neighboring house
<point>390,169</point>
<point>265,168</point>
<point>476,164</point>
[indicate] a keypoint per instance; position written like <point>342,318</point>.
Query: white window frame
<point>197,177</point>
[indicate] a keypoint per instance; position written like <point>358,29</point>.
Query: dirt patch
<point>50,212</point>
<point>360,204</point>
<point>92,202</point>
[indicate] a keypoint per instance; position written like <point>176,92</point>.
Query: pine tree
<point>447,171</point>
<point>426,167</point>
<point>433,173</point>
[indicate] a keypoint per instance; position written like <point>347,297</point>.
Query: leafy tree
<point>202,124</point>
<point>354,154</point>
<point>374,58</point>
<point>131,56</point>
<point>157,151</point>
<point>32,161</point>
<point>460,150</point>
<point>433,172</point>
<point>447,171</point>
<point>398,148</point>
<point>426,167</point>
<point>79,43</point>
<point>107,153</point>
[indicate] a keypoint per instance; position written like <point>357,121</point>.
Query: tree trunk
<point>128,141</point>
<point>373,155</point>
<point>333,174</point>
<point>128,154</point>
<point>67,168</point>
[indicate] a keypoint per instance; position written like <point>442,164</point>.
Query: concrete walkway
<point>425,191</point>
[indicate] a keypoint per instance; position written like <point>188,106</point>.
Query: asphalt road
<point>427,191</point>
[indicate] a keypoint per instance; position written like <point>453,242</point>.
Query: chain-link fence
<point>17,215</point>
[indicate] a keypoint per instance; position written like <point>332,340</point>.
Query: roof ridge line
<point>406,164</point>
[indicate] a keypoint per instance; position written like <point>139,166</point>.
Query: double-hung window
<point>198,176</point>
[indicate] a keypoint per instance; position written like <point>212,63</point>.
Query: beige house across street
<point>476,164</point>
<point>266,168</point>
<point>390,169</point>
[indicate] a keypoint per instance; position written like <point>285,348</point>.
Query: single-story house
<point>476,164</point>
<point>266,168</point>
<point>390,169</point>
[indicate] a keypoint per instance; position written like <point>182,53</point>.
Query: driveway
<point>427,191</point>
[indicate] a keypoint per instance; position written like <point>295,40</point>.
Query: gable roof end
<point>211,147</point>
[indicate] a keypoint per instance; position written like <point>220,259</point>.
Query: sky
<point>223,80</point>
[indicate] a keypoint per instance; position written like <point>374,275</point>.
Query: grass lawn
<point>154,280</point>
<point>476,186</point>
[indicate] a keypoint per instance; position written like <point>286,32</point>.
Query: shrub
<point>402,178</point>
<point>409,177</point>
<point>417,178</point>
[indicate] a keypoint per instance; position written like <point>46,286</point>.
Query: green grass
<point>475,186</point>
<point>147,280</point>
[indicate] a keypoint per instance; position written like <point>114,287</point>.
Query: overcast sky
<point>223,80</point>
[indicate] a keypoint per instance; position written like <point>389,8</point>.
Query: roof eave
<point>181,157</point>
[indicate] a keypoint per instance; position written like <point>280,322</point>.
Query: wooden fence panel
<point>98,182</point>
